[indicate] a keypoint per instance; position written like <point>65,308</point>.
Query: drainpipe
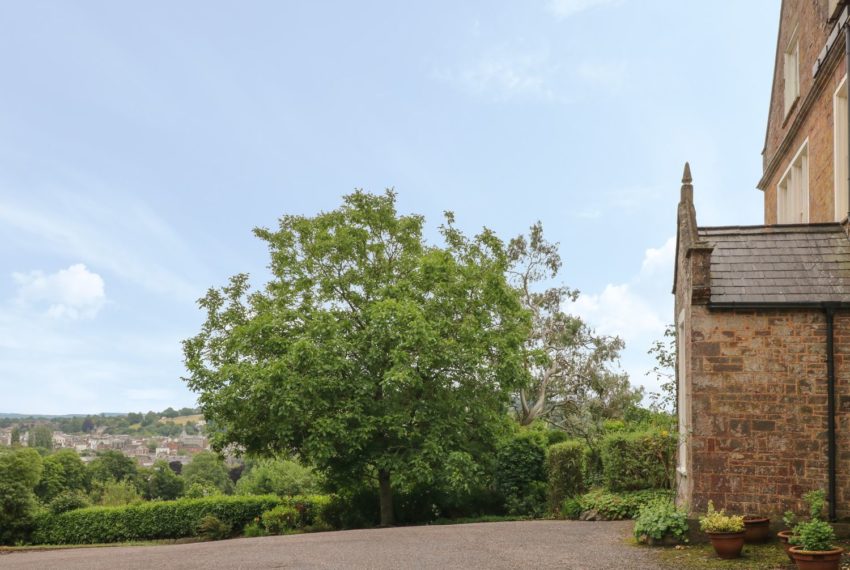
<point>829,312</point>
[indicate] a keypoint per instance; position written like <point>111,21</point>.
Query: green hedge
<point>311,509</point>
<point>566,464</point>
<point>641,460</point>
<point>147,521</point>
<point>520,475</point>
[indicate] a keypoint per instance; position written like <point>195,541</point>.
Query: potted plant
<point>790,521</point>
<point>726,532</point>
<point>814,546</point>
<point>756,529</point>
<point>660,523</point>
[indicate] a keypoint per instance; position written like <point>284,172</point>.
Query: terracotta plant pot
<point>756,529</point>
<point>817,559</point>
<point>784,536</point>
<point>727,545</point>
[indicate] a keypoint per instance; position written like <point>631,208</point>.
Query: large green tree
<point>20,471</point>
<point>208,468</point>
<point>370,353</point>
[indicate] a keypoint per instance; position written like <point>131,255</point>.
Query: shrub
<point>571,508</point>
<point>199,490</point>
<point>211,527</point>
<point>277,477</point>
<point>254,529</point>
<point>719,521</point>
<point>147,521</point>
<point>352,508</point>
<point>617,506</point>
<point>280,519</point>
<point>68,501</point>
<point>310,508</point>
<point>814,535</point>
<point>521,473</point>
<point>565,465</point>
<point>642,460</point>
<point>659,518</point>
<point>816,500</point>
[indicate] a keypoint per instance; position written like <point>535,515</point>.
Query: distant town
<point>170,435</point>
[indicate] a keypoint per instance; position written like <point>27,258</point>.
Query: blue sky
<point>141,142</point>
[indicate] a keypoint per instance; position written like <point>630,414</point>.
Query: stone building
<point>762,312</point>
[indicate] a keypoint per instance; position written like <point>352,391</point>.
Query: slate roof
<point>806,263</point>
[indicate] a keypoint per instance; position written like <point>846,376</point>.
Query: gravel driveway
<point>525,545</point>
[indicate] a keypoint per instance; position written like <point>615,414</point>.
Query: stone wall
<point>758,402</point>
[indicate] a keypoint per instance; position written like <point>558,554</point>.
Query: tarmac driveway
<point>525,545</point>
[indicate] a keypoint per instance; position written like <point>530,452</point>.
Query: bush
<point>719,521</point>
<point>566,465</point>
<point>310,508</point>
<point>618,506</point>
<point>642,460</point>
<point>280,519</point>
<point>660,518</point>
<point>814,535</point>
<point>277,477</point>
<point>68,501</point>
<point>212,528</point>
<point>571,508</point>
<point>521,473</point>
<point>254,529</point>
<point>147,521</point>
<point>352,508</point>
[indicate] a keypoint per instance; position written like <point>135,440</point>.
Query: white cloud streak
<point>563,9</point>
<point>72,293</point>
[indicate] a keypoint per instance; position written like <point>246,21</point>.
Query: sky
<point>140,143</point>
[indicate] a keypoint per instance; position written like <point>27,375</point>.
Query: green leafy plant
<point>639,460</point>
<point>571,508</point>
<point>68,501</point>
<point>789,519</point>
<point>566,465</point>
<point>718,521</point>
<point>211,527</point>
<point>816,500</point>
<point>254,529</point>
<point>280,519</point>
<point>660,518</point>
<point>618,506</point>
<point>814,535</point>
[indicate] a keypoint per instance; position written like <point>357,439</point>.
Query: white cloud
<point>565,8</point>
<point>657,259</point>
<point>506,76</point>
<point>607,75</point>
<point>619,311</point>
<point>73,293</point>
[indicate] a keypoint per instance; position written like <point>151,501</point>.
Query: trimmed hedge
<point>148,521</point>
<point>521,473</point>
<point>640,460</point>
<point>566,464</point>
<point>609,506</point>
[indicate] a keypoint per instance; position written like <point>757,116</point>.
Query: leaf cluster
<point>718,521</point>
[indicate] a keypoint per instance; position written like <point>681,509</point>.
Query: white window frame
<point>840,155</point>
<point>791,71</point>
<point>796,173</point>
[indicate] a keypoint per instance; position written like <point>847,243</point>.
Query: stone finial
<point>687,187</point>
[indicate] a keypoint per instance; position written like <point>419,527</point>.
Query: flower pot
<point>727,545</point>
<point>756,529</point>
<point>784,536</point>
<point>817,559</point>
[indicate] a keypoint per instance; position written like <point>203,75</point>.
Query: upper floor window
<point>791,69</point>
<point>841,156</point>
<point>792,193</point>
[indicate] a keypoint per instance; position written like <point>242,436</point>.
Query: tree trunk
<point>386,495</point>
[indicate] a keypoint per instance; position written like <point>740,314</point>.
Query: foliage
<point>41,437</point>
<point>254,529</point>
<point>618,506</point>
<point>789,519</point>
<point>566,361</point>
<point>116,493</point>
<point>68,501</point>
<point>310,508</point>
<point>147,521</point>
<point>659,518</point>
<point>200,490</point>
<point>20,470</point>
<point>816,500</point>
<point>814,535</point>
<point>370,353</point>
<point>277,477</point>
<point>571,508</point>
<point>280,519</point>
<point>113,466</point>
<point>566,464</point>
<point>664,352</point>
<point>210,527</point>
<point>521,473</point>
<point>718,521</point>
<point>642,460</point>
<point>162,483</point>
<point>208,468</point>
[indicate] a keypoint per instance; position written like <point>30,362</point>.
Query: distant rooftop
<point>805,263</point>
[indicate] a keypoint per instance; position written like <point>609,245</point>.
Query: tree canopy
<point>369,353</point>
